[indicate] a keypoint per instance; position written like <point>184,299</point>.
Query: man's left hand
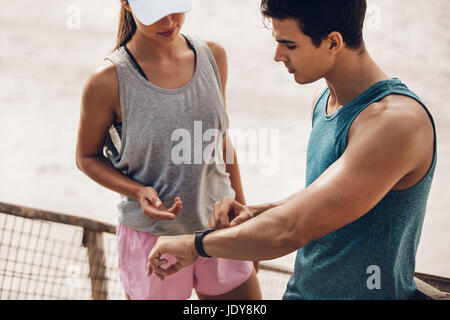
<point>180,247</point>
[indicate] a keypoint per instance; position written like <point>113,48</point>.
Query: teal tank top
<point>373,257</point>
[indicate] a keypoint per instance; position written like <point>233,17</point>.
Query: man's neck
<point>352,75</point>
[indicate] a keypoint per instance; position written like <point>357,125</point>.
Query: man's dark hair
<point>318,18</point>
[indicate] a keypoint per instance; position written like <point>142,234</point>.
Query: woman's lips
<point>167,33</point>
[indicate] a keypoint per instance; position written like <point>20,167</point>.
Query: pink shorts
<point>208,276</point>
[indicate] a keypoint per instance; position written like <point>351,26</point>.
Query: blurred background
<point>49,49</point>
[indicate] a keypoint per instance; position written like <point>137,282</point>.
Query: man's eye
<point>291,47</point>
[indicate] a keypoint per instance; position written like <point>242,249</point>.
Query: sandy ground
<point>44,63</point>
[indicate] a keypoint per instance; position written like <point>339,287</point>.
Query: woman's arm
<point>100,101</point>
<point>229,152</point>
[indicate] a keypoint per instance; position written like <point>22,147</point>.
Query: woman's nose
<point>167,21</point>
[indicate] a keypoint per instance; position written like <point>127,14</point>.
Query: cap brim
<point>150,11</point>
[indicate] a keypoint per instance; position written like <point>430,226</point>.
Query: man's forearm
<point>267,236</point>
<point>258,209</point>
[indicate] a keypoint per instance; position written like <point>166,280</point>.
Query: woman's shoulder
<point>103,78</point>
<point>102,85</point>
<point>104,75</point>
<point>217,50</point>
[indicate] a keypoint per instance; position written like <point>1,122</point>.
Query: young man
<point>370,163</point>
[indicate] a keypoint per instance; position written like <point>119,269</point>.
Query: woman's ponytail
<point>127,27</point>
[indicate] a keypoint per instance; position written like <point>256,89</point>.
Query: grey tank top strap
<point>166,140</point>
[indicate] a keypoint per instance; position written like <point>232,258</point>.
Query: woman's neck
<point>147,49</point>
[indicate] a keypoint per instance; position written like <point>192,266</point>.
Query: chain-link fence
<point>52,256</point>
<point>46,255</point>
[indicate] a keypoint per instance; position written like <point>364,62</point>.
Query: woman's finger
<point>177,207</point>
<point>155,201</point>
<point>156,214</point>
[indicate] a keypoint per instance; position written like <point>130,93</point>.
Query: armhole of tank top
<point>410,94</point>
<point>115,59</point>
<point>212,60</point>
<point>319,99</point>
<point>213,63</point>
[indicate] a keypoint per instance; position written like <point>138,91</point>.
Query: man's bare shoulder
<point>399,122</point>
<point>400,127</point>
<point>396,110</point>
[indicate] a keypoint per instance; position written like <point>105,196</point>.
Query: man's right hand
<point>153,207</point>
<point>229,213</point>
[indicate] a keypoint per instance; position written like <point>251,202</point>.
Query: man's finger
<point>224,209</point>
<point>160,272</point>
<point>224,222</point>
<point>237,221</point>
<point>149,268</point>
<point>218,215</point>
<point>174,268</point>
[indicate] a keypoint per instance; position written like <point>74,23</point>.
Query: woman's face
<point>165,30</point>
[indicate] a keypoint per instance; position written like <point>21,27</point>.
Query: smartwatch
<point>199,235</point>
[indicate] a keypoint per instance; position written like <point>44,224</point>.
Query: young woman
<point>160,87</point>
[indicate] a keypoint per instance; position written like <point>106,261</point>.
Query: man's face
<point>298,53</point>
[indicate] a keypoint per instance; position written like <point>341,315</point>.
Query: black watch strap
<point>199,235</point>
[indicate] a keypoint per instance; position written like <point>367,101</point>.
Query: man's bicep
<point>369,168</point>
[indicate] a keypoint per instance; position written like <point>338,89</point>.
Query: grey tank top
<point>171,140</point>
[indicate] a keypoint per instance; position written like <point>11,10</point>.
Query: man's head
<point>311,33</point>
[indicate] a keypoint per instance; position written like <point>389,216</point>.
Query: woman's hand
<point>229,213</point>
<point>153,208</point>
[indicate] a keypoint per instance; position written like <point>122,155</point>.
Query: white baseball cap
<point>150,11</point>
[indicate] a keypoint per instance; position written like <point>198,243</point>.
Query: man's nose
<point>279,56</point>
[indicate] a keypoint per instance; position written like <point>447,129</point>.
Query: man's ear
<point>335,42</point>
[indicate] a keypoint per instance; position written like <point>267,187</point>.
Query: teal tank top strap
<point>321,100</point>
<point>346,115</point>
